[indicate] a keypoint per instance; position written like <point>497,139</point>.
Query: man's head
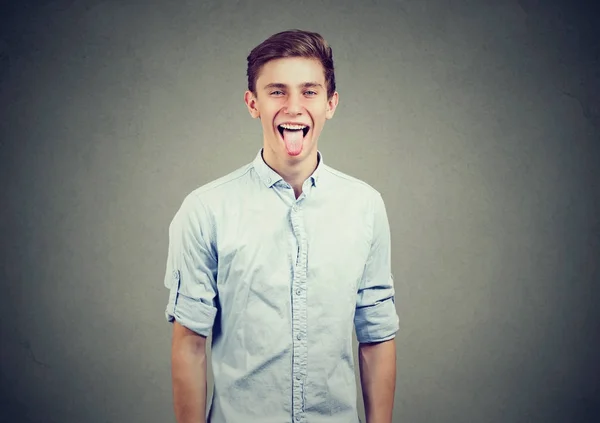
<point>291,89</point>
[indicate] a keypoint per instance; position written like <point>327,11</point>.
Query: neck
<point>293,172</point>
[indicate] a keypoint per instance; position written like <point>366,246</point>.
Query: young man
<point>279,260</point>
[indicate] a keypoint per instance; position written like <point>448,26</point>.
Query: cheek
<point>269,115</point>
<point>266,118</point>
<point>319,120</point>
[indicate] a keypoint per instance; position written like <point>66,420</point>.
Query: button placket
<point>299,311</point>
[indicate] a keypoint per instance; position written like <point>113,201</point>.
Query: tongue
<point>293,141</point>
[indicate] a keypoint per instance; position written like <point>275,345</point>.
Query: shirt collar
<point>269,177</point>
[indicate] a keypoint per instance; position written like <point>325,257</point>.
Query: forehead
<point>291,71</point>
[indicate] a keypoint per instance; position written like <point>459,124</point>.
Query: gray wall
<point>476,120</point>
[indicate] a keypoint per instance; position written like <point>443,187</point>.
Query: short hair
<point>292,43</point>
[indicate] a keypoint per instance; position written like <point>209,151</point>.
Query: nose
<point>293,106</point>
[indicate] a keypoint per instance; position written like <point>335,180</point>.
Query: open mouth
<point>293,129</point>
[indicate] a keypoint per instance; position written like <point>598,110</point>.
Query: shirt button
<point>298,377</point>
<point>298,337</point>
<point>175,274</point>
<point>298,291</point>
<point>295,208</point>
<point>298,417</point>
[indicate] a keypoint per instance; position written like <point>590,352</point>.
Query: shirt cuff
<point>193,314</point>
<point>376,323</point>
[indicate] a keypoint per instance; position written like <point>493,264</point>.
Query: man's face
<point>291,102</point>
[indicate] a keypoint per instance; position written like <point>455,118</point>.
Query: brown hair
<point>292,43</point>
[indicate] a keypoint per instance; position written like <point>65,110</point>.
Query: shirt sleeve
<point>375,319</point>
<point>191,271</point>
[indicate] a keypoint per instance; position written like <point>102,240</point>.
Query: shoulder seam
<point>349,178</point>
<point>221,181</point>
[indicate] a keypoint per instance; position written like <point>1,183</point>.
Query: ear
<point>331,105</point>
<point>251,101</point>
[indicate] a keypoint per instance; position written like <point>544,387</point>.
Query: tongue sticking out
<point>293,141</point>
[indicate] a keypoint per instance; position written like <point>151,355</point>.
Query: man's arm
<point>191,275</point>
<point>376,322</point>
<point>188,372</point>
<point>377,363</point>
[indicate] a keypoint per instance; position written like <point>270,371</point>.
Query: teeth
<point>292,127</point>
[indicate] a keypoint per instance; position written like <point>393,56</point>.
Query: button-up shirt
<point>280,282</point>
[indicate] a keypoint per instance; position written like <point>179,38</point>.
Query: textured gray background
<point>478,121</point>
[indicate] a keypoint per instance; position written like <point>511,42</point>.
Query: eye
<point>277,92</point>
<point>311,93</point>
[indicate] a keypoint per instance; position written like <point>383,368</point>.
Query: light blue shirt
<point>281,282</point>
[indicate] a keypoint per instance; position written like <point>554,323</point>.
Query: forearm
<point>188,372</point>
<point>377,363</point>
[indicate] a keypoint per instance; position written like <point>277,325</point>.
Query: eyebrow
<point>304,85</point>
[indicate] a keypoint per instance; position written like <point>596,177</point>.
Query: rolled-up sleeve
<point>376,319</point>
<point>191,271</point>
